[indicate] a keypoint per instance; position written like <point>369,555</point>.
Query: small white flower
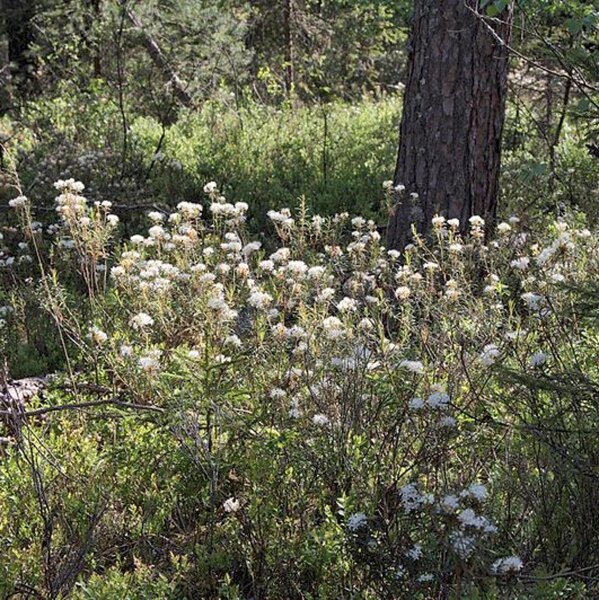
<point>402,292</point>
<point>297,267</point>
<point>538,359</point>
<point>18,202</point>
<point>416,403</point>
<point>366,324</point>
<point>259,300</point>
<point>210,188</point>
<point>320,420</point>
<point>267,265</point>
<point>250,248</point>
<point>477,491</point>
<point>357,521</point>
<point>469,517</point>
<point>117,271</point>
<point>532,300</point>
<point>414,366</point>
<point>438,400</point>
<point>450,503</point>
<point>325,295</point>
<point>509,564</point>
<point>277,393</point>
<point>137,239</point>
<point>190,210</point>
<point>282,256</point>
<point>112,220</point>
<point>141,320</point>
<point>294,411</point>
<point>489,355</point>
<point>520,263</point>
<point>333,328</point>
<point>415,552</point>
<point>150,363</point>
<point>157,232</point>
<point>347,305</point>
<point>463,545</point>
<point>231,505</point>
<point>97,335</point>
<point>316,272</point>
<point>447,421</point>
<point>430,266</point>
<point>233,341</point>
<point>411,498</point>
<point>126,350</point>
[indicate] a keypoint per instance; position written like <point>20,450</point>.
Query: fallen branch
<point>79,405</point>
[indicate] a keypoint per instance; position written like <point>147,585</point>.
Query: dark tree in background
<point>453,114</point>
<point>18,15</point>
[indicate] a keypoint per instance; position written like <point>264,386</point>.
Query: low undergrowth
<point>323,418</point>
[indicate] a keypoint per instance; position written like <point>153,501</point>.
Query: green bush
<point>337,155</point>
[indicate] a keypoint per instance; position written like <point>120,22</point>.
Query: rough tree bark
<point>454,107</point>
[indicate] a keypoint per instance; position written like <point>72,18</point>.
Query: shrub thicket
<point>321,419</point>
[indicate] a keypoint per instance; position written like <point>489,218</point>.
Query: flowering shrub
<point>323,414</point>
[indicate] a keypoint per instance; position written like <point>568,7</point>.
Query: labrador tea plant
<point>314,416</point>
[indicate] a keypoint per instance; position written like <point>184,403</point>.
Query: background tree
<point>329,48</point>
<point>453,115</point>
<point>18,17</point>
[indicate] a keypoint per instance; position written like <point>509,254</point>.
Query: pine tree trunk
<point>454,107</point>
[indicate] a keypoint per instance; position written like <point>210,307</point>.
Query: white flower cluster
<point>232,214</point>
<point>357,521</point>
<point>70,205</point>
<point>507,565</point>
<point>18,202</point>
<point>141,320</point>
<point>467,528</point>
<point>281,218</point>
<point>414,366</point>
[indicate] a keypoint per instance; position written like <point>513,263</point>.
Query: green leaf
<point>497,7</point>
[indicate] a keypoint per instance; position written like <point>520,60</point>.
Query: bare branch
<point>80,405</point>
<point>581,83</point>
<point>157,55</point>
